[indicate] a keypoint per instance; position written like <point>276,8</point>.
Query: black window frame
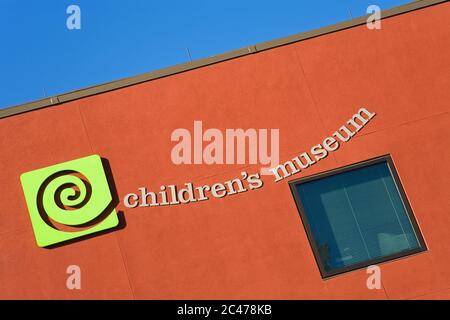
<point>382,159</point>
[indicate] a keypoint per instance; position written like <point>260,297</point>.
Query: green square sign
<point>66,201</point>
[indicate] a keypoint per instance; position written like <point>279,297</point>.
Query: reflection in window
<point>356,217</point>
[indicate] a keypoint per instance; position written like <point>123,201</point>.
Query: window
<point>357,216</point>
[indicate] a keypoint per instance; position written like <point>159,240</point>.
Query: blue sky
<point>40,56</point>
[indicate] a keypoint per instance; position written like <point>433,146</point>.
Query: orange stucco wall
<point>252,245</point>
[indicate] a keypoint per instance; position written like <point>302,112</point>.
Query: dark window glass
<point>356,216</point>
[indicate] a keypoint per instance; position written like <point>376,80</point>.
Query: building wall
<point>251,245</point>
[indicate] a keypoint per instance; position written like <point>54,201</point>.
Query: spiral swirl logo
<point>69,200</point>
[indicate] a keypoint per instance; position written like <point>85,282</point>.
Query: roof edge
<point>153,75</point>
